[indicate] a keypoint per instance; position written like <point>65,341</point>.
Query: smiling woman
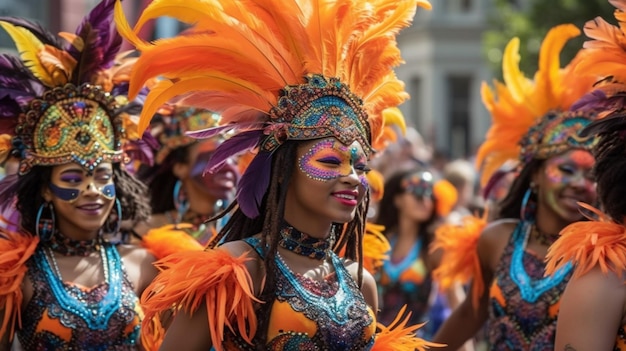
<point>302,83</point>
<point>64,286</point>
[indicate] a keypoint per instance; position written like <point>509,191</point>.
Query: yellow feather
<point>124,28</point>
<point>188,11</point>
<point>29,46</point>
<point>515,80</point>
<point>77,42</point>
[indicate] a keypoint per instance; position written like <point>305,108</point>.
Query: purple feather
<point>213,131</point>
<point>254,184</point>
<point>44,35</point>
<point>101,42</point>
<point>8,189</point>
<point>233,146</point>
<point>140,150</point>
<point>590,101</point>
<point>150,140</point>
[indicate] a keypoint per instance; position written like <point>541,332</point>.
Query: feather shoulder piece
<point>588,244</point>
<point>376,247</point>
<point>400,337</point>
<point>189,279</point>
<point>170,239</point>
<point>15,250</point>
<point>459,261</point>
<point>519,103</point>
<point>605,55</point>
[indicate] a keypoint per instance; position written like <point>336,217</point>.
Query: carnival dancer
<point>181,191</point>
<point>592,314</point>
<point>504,260</point>
<point>305,83</point>
<point>62,286</point>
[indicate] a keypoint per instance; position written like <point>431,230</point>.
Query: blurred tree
<point>530,20</point>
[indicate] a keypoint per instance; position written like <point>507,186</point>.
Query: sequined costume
<point>523,304</point>
<point>312,315</point>
<point>66,316</point>
<point>406,282</point>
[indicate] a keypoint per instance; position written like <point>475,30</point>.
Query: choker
<point>69,247</point>
<point>295,241</point>
<point>543,238</point>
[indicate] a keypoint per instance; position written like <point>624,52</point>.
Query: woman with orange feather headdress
<point>64,105</point>
<point>303,82</point>
<point>592,314</point>
<point>531,123</point>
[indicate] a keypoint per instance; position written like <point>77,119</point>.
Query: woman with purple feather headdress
<point>66,118</point>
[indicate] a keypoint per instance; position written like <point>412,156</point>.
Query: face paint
<point>83,182</point>
<point>330,159</point>
<point>564,170</point>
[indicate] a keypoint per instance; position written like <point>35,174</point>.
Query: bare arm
<point>188,332</point>
<point>590,313</point>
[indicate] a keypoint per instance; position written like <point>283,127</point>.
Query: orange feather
<point>400,337</point>
<point>189,279</point>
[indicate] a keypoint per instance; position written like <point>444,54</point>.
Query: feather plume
<point>15,250</point>
<point>588,244</point>
<point>100,42</point>
<point>399,336</point>
<point>459,261</point>
<point>520,102</point>
<point>42,34</point>
<point>253,184</point>
<point>17,88</point>
<point>233,146</point>
<point>29,47</point>
<point>170,239</point>
<point>190,278</point>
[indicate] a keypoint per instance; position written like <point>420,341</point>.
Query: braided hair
<point>268,224</point>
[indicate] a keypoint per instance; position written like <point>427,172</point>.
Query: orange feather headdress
<point>522,103</point>
<point>276,71</point>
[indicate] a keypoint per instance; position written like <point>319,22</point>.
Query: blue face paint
<point>71,194</point>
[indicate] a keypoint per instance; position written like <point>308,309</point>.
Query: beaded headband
<point>322,107</point>
<point>70,124</point>
<point>556,133</point>
<point>175,123</point>
<point>64,99</point>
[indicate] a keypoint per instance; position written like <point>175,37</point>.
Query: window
<point>458,95</point>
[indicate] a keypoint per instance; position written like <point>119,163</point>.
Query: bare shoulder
<point>138,263</point>
<point>254,266</point>
<point>493,240</point>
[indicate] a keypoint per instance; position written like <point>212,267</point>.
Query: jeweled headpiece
<point>174,122</point>
<point>276,71</point>
<point>66,102</point>
<point>523,103</point>
<point>423,184</point>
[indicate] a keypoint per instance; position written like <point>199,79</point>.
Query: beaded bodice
<point>310,315</point>
<point>66,316</point>
<point>523,304</point>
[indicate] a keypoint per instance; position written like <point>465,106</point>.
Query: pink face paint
<point>330,159</point>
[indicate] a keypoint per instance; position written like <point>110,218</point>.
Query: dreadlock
<point>269,223</point>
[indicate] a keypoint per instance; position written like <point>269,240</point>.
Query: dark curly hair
<point>131,193</point>
<point>610,172</point>
<point>161,179</point>
<point>268,223</point>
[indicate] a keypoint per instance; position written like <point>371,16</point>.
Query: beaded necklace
<point>70,247</point>
<point>95,315</point>
<point>531,290</point>
<point>303,244</point>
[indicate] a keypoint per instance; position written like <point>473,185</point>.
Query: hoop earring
<point>117,218</point>
<point>44,227</point>
<point>528,208</point>
<point>180,201</point>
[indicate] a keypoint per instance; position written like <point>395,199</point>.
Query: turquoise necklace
<point>530,289</point>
